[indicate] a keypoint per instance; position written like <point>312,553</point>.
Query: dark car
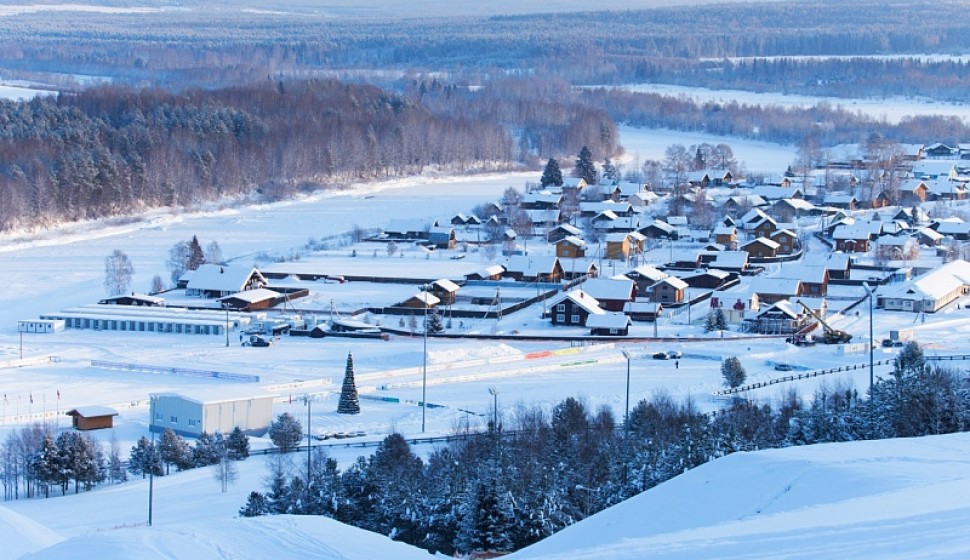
<point>784,367</point>
<point>258,342</point>
<point>674,355</point>
<point>660,356</point>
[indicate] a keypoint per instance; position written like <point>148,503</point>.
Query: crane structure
<point>830,335</point>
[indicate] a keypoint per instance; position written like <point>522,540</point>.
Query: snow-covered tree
<point>733,372</point>
<point>585,168</point>
<point>145,459</point>
<point>237,444</point>
<point>256,505</point>
<point>552,174</point>
<point>286,432</point>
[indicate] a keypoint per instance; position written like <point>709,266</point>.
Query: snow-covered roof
<point>854,231</point>
<point>614,320</point>
<point>648,272</point>
<point>446,285</point>
<point>573,240</point>
<point>787,286</point>
<point>677,220</point>
<point>252,296</point>
<point>222,278</point>
<point>92,411</point>
<point>642,306</point>
<point>531,264</point>
<point>771,244</point>
<point>426,298</point>
<point>730,259</point>
<point>580,298</point>
<point>675,282</point>
<point>804,272</point>
<point>609,288</point>
<point>934,284</point>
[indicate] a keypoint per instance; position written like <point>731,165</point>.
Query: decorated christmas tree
<point>349,402</point>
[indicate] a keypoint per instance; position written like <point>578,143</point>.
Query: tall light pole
<point>424,370</point>
<point>872,341</point>
<point>626,413</point>
<point>151,467</point>
<point>494,392</point>
<point>308,402</point>
<point>226,305</point>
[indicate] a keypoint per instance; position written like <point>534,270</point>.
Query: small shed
<point>251,300</point>
<point>445,290</point>
<point>92,417</point>
<point>133,299</point>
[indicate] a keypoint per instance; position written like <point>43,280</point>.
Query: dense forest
<point>111,151</point>
<point>540,471</point>
<point>216,45</point>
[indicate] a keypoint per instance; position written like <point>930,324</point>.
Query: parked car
<point>887,343</point>
<point>257,342</point>
<point>784,367</point>
<point>660,356</point>
<point>674,355</point>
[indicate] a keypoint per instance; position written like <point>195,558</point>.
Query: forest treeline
<point>111,151</point>
<point>538,472</point>
<point>824,123</point>
<point>662,44</point>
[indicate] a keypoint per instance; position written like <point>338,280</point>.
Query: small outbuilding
<point>220,410</point>
<point>92,417</point>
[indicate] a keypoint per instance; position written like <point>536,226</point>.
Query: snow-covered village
<point>626,341</point>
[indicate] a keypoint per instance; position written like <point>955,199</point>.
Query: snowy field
<point>890,109</point>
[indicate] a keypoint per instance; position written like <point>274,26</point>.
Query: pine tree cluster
<point>499,491</point>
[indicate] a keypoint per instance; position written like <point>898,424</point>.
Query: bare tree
<point>118,271</point>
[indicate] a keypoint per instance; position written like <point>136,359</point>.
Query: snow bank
<point>278,537</point>
<point>905,498</point>
<point>21,535</point>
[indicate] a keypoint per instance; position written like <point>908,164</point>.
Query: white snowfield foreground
<point>907,498</point>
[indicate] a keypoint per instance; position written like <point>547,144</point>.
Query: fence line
<point>184,372</point>
<point>817,373</point>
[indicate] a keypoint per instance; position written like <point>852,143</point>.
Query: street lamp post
<point>494,392</point>
<point>626,413</point>
<point>151,467</point>
<point>308,402</point>
<point>226,305</point>
<point>872,341</point>
<point>424,371</point>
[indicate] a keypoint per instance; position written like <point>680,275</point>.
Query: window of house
<point>560,318</point>
<point>561,307</point>
<point>574,318</point>
<point>175,420</point>
<point>192,423</point>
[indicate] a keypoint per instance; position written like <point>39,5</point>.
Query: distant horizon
<point>362,8</point>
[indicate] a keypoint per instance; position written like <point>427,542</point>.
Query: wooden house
<point>659,230</point>
<point>492,272</point>
<point>618,246</point>
<point>445,290</point>
<point>643,310</point>
<point>786,239</point>
<point>92,417</point>
<point>852,238</point>
<point>527,268</point>
<point>571,247</point>
<point>710,278</point>
<point>782,317</point>
<point>609,324</point>
<point>913,192</point>
<point>726,236</point>
<point>563,231</point>
<point>669,290</point>
<point>761,247</point>
<point>645,277</point>
<point>214,281</point>
<point>573,308</point>
<point>771,290</point>
<point>765,227</point>
<point>252,300</point>
<point>421,300</point>
<point>611,293</point>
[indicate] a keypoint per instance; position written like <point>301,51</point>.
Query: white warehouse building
<point>218,410</point>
